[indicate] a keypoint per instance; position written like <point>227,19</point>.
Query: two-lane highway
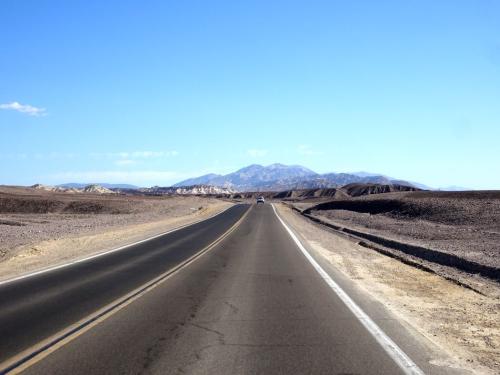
<point>252,304</point>
<point>37,307</point>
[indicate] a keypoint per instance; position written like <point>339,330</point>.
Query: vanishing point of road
<point>232,294</point>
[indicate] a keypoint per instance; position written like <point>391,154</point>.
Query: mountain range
<point>279,177</point>
<point>257,178</point>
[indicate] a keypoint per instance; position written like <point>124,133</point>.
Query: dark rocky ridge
<point>463,225</point>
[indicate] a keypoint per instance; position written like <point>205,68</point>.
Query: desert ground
<point>466,224</point>
<point>459,321</point>
<point>41,228</point>
<point>458,311</point>
<point>462,228</point>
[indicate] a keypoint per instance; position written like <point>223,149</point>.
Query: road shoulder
<point>46,254</point>
<point>461,325</point>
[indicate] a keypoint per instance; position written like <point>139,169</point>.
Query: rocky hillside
<point>78,185</point>
<point>311,193</point>
<point>330,194</point>
<point>356,190</point>
<point>91,189</point>
<point>188,190</point>
<point>97,189</point>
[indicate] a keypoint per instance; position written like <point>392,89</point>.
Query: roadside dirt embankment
<point>455,234</point>
<point>460,323</point>
<point>42,229</point>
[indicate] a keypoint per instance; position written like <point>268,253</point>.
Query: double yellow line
<point>37,352</point>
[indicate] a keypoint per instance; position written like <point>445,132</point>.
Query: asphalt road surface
<point>252,304</point>
<point>37,307</point>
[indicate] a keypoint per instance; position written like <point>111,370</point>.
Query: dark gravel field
<point>466,224</point>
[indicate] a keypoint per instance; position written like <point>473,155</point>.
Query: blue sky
<point>150,93</point>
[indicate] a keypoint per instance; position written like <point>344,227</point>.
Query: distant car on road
<point>260,200</point>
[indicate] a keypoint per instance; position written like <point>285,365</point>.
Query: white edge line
<point>31,356</point>
<point>391,348</point>
<point>31,274</point>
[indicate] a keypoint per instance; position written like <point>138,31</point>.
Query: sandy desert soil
<point>466,224</point>
<point>40,229</point>
<point>463,323</point>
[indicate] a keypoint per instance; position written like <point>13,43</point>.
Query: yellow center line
<point>37,352</point>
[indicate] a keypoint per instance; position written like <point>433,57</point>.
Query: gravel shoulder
<point>465,224</point>
<point>454,234</point>
<point>32,241</point>
<point>463,323</point>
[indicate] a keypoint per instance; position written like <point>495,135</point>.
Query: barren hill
<point>358,189</point>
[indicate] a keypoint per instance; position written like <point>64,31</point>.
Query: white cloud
<point>153,154</point>
<point>125,162</point>
<point>256,153</point>
<point>24,108</point>
<point>307,150</point>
